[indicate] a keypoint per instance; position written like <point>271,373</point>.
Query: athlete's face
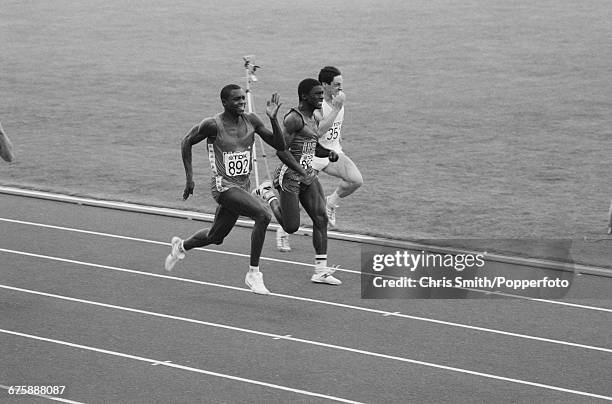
<point>235,103</point>
<point>334,87</point>
<point>315,97</point>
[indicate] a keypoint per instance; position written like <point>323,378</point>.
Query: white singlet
<point>332,139</point>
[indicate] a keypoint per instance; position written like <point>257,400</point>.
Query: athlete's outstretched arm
<point>6,147</point>
<point>207,128</point>
<point>275,137</point>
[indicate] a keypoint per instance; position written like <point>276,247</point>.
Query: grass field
<point>472,119</point>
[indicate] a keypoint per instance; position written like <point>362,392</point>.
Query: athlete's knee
<point>215,238</point>
<point>356,179</point>
<point>357,182</point>
<point>290,226</point>
<point>319,219</point>
<point>262,218</point>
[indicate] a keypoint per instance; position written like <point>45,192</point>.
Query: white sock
<point>333,199</point>
<point>253,269</point>
<point>320,262</point>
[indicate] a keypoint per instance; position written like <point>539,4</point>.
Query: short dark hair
<point>306,85</point>
<point>327,74</point>
<point>225,91</point>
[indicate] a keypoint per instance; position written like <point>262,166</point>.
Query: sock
<point>182,247</point>
<point>253,269</point>
<point>333,199</point>
<point>320,262</point>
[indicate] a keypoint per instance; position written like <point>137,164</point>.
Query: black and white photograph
<point>385,202</point>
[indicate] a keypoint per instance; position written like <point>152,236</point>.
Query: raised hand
<point>273,105</point>
<point>338,99</point>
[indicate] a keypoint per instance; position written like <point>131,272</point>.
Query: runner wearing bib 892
<point>229,139</point>
<point>301,186</point>
<point>330,128</point>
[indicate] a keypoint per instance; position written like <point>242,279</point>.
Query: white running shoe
<point>254,280</point>
<point>175,254</point>
<point>331,212</point>
<point>282,240</point>
<point>264,191</point>
<point>325,276</point>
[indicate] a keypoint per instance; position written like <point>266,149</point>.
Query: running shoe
<point>175,254</point>
<point>282,240</point>
<point>264,191</point>
<point>325,276</point>
<point>254,280</point>
<point>331,212</point>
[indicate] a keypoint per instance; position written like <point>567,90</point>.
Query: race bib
<point>306,160</point>
<point>308,152</point>
<point>237,163</point>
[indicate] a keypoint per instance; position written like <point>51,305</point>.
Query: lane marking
<point>90,232</point>
<point>391,314</point>
<point>143,240</point>
<point>373,240</point>
<point>181,367</point>
<point>309,342</point>
<point>309,300</point>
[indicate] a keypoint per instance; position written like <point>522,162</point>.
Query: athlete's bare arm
<point>6,147</point>
<point>207,128</point>
<point>275,137</point>
<point>325,123</point>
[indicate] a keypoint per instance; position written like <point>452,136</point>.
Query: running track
<point>85,303</point>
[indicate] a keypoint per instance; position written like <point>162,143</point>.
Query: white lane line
<point>182,367</point>
<point>53,398</point>
<point>142,240</point>
<point>300,340</point>
<point>373,240</point>
<point>309,300</point>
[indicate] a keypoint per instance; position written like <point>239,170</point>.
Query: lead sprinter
<point>229,139</point>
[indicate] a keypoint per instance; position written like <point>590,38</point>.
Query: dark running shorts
<point>289,180</point>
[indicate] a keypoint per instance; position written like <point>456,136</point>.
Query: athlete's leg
<point>289,207</point>
<point>245,204</point>
<point>350,180</point>
<point>313,201</point>
<point>224,222</point>
<point>350,176</point>
<point>286,208</point>
<point>238,202</point>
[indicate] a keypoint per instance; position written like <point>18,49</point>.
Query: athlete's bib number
<point>306,160</point>
<point>333,133</point>
<point>237,163</point>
